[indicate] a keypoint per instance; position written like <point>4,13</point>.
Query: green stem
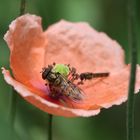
<point>12,112</point>
<point>133,45</point>
<point>13,99</point>
<point>22,7</point>
<point>13,104</point>
<point>50,126</point>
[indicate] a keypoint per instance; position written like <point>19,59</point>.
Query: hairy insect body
<point>60,86</point>
<point>69,89</point>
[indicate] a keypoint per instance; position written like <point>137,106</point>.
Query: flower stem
<point>12,111</point>
<point>50,126</point>
<point>13,104</point>
<point>22,7</point>
<point>133,46</point>
<point>13,99</point>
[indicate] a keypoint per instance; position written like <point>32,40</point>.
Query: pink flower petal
<point>26,41</point>
<point>76,44</point>
<point>44,104</point>
<point>83,47</point>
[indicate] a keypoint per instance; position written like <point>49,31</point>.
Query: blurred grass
<point>31,124</point>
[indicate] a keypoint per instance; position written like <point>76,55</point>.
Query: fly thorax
<point>51,77</point>
<point>57,81</point>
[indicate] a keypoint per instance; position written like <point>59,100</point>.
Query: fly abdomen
<point>96,75</point>
<point>90,75</point>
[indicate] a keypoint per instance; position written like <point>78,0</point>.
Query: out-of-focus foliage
<point>109,16</point>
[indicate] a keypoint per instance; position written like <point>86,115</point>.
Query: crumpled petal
<point>26,41</point>
<point>43,104</point>
<point>76,44</point>
<point>83,47</point>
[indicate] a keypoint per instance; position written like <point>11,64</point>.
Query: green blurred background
<point>109,16</point>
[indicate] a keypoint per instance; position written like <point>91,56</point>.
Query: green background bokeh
<point>108,16</point>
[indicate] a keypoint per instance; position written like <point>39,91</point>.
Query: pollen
<point>62,69</point>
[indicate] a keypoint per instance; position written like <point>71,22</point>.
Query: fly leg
<point>80,82</point>
<point>52,65</point>
<point>73,75</point>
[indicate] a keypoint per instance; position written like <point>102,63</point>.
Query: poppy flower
<point>65,42</point>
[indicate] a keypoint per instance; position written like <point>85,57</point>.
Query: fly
<point>60,79</point>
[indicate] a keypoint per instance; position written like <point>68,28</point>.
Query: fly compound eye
<point>44,75</point>
<point>45,72</point>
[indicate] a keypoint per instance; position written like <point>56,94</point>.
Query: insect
<point>60,79</point>
<point>90,75</point>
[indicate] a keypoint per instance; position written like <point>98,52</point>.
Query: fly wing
<point>77,94</point>
<point>71,91</point>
